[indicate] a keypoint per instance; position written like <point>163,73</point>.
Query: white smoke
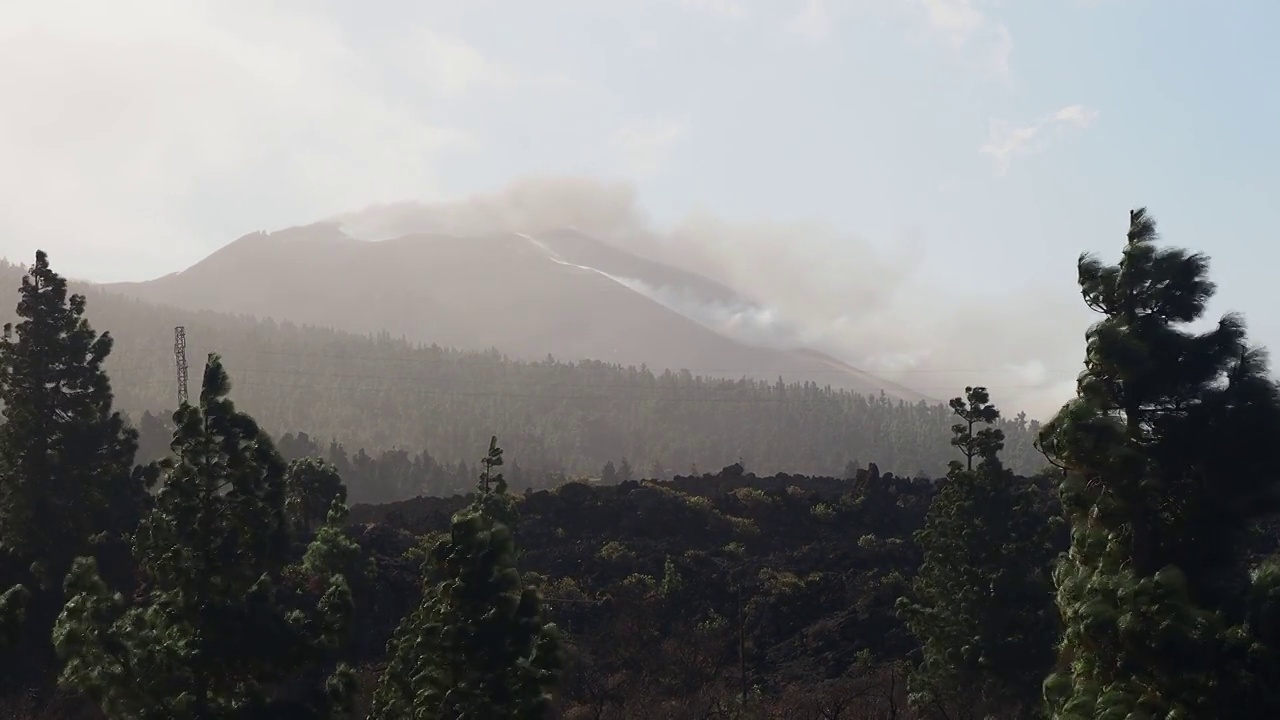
<point>743,321</point>
<point>797,285</point>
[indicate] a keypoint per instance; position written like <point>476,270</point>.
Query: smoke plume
<point>800,284</point>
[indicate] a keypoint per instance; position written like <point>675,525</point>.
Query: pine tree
<point>335,559</point>
<point>68,484</point>
<point>211,625</point>
<point>656,471</point>
<point>609,474</point>
<point>625,473</point>
<point>851,469</point>
<point>1165,467</point>
<point>478,647</point>
<point>982,603</point>
<point>311,487</point>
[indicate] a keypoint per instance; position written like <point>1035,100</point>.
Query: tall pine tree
<point>312,486</point>
<point>68,484</point>
<point>478,647</point>
<point>1165,467</point>
<point>211,627</point>
<point>982,603</point>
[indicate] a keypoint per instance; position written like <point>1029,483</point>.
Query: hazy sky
<point>988,143</point>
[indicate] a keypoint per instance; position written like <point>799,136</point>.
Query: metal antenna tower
<point>180,357</point>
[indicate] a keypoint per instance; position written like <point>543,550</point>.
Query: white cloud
<point>1077,115</point>
<point>812,22</point>
<point>452,66</point>
<point>644,145</point>
<point>1006,141</point>
<point>958,18</point>
<point>1000,50</point>
<point>133,129</point>
<point>964,26</point>
<point>447,66</point>
<point>730,9</point>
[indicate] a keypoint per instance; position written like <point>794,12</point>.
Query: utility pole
<point>180,359</point>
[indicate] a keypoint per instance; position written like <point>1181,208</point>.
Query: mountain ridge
<point>562,293</point>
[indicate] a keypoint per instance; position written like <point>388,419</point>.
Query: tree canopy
<point>1162,480</point>
<point>982,603</point>
<point>215,620</point>
<point>68,484</point>
<point>478,646</point>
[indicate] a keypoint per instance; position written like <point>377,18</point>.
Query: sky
<point>929,168</point>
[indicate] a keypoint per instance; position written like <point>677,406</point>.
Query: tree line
<point>220,581</point>
<point>558,418</point>
<point>396,474</point>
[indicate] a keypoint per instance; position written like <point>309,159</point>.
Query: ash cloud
<point>800,285</point>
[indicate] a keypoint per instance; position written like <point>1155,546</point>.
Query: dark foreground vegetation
<point>227,578</point>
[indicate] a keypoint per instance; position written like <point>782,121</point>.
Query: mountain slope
<point>379,393</point>
<point>562,294</point>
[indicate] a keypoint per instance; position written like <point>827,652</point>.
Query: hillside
<point>786,582</point>
<point>800,573</point>
<point>561,293</point>
<point>378,393</point>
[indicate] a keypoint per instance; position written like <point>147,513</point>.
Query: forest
<point>202,565</point>
<point>557,419</point>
